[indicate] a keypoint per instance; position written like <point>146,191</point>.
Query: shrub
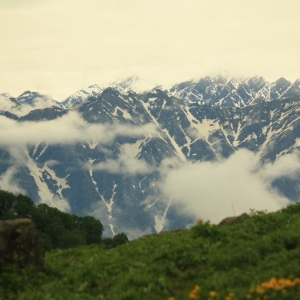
<point>208,231</point>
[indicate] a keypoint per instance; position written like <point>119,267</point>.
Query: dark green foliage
<point>210,232</point>
<point>109,243</point>
<point>71,238</point>
<point>58,229</point>
<point>117,240</point>
<point>7,203</point>
<point>91,227</point>
<point>24,206</point>
<point>292,209</point>
<point>120,238</point>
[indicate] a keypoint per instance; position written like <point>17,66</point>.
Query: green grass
<point>222,259</point>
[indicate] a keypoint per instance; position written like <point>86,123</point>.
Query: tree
<point>24,206</point>
<point>71,238</point>
<point>7,203</point>
<point>120,238</point>
<point>58,229</point>
<point>92,228</point>
<point>109,243</point>
<point>54,230</point>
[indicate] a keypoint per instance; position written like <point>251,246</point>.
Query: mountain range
<point>107,151</point>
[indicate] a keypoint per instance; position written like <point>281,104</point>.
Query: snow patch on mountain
<point>82,95</point>
<point>39,175</point>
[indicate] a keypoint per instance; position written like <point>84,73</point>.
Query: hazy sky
<point>57,47</point>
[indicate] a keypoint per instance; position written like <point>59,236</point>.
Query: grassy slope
<point>223,259</point>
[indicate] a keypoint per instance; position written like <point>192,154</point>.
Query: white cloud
<point>210,189</point>
<point>127,163</point>
<point>5,103</point>
<point>38,103</point>
<point>285,166</point>
<point>8,182</point>
<point>70,128</point>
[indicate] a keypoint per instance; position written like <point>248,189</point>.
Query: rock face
<point>21,244</point>
<point>113,167</point>
<point>230,220</point>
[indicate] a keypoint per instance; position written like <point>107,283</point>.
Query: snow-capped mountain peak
<point>82,95</point>
<point>134,84</point>
<point>26,102</point>
<point>233,92</point>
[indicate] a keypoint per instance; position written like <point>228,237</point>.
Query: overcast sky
<point>57,47</point>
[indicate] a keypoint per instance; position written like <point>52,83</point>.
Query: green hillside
<point>256,258</point>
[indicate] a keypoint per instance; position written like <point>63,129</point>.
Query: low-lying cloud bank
<point>68,129</point>
<point>37,103</point>
<point>214,190</point>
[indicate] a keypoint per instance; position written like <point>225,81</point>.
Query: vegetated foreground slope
<point>256,258</point>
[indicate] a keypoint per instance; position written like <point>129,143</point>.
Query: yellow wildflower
<point>212,294</point>
<point>197,288</point>
<point>260,290</point>
<point>194,296</point>
<point>194,293</point>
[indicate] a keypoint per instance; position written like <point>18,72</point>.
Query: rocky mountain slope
<point>106,152</point>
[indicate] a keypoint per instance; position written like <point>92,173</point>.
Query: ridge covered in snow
<point>212,90</point>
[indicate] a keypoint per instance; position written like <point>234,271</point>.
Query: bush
<point>117,240</point>
<point>208,231</point>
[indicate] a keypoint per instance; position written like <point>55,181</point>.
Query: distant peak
<point>26,93</point>
<point>134,83</point>
<point>95,86</point>
<point>5,95</point>
<point>282,80</point>
<point>297,81</point>
<point>110,90</point>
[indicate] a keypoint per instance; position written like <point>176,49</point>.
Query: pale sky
<point>56,47</point>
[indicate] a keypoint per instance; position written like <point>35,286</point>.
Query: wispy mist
<point>126,163</point>
<point>70,128</point>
